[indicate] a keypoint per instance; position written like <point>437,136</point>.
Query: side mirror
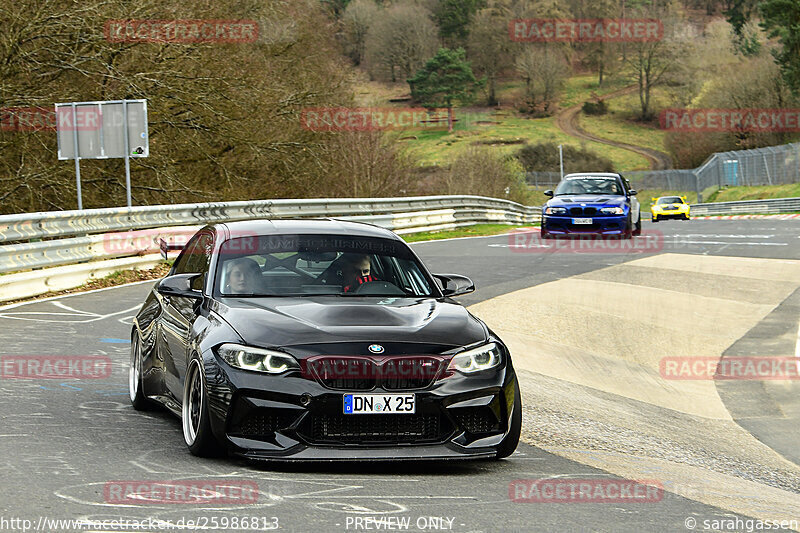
<point>179,285</point>
<point>633,192</point>
<point>454,284</point>
<point>549,193</point>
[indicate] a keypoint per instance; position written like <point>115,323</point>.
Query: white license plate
<point>362,404</point>
<point>581,220</point>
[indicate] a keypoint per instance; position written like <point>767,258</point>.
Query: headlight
<point>257,359</point>
<point>477,359</point>
<point>612,211</point>
<point>555,211</point>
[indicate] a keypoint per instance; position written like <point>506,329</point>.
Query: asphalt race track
<point>585,329</point>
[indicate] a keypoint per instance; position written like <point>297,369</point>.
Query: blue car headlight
<point>555,211</point>
<point>612,211</point>
<point>482,358</point>
<point>257,359</point>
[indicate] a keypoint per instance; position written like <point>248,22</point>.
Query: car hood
<point>589,199</point>
<point>271,322</point>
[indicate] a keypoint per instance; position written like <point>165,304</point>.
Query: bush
<point>482,171</point>
<point>543,157</point>
<point>595,108</point>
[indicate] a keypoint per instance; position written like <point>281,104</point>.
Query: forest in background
<point>224,118</point>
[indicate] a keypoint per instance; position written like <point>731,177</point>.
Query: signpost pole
<point>77,157</point>
<point>126,143</point>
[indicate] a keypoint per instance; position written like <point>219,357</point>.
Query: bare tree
<point>369,163</point>
<point>544,69</point>
<point>652,63</point>
<point>224,118</point>
<point>357,18</point>
<point>400,41</point>
<point>488,47</point>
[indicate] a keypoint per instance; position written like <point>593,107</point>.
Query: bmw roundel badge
<point>376,348</point>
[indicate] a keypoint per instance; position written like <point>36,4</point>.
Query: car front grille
<point>364,373</point>
<point>375,428</point>
<point>582,210</point>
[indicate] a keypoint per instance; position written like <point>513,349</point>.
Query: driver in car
<point>356,272</point>
<point>243,276</point>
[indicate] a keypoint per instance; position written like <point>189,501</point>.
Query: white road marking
<point>60,296</point>
<point>88,316</point>
<point>732,243</point>
<point>797,346</point>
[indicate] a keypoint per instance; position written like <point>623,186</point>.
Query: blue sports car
<point>592,204</point>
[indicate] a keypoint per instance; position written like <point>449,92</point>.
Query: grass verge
<point>505,132</point>
<point>478,230</point>
<point>758,192</point>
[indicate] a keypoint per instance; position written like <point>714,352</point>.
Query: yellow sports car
<point>669,207</point>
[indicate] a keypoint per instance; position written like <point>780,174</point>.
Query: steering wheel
<point>383,288</point>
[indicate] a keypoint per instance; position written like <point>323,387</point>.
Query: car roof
<point>327,226</point>
<point>593,175</point>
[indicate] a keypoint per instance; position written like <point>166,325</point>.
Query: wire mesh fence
<point>771,165</point>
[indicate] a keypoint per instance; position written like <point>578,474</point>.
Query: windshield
<point>670,200</point>
<point>303,265</point>
<point>589,185</point>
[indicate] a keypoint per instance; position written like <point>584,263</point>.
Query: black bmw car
<point>321,340</point>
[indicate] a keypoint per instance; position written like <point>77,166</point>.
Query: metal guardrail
<point>777,205</point>
<point>27,226</point>
<point>78,236</point>
<point>102,234</point>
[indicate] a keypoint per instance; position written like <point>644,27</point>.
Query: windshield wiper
<point>395,295</point>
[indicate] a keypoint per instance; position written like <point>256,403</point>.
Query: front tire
<point>135,381</point>
<point>194,414</point>
<point>638,228</point>
<point>655,218</point>
<point>511,440</point>
<point>628,232</point>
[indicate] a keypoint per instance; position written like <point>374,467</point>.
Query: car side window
<point>200,259</point>
<point>182,263</point>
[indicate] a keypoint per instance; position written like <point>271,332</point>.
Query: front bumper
<point>292,418</point>
<point>682,213</point>
<point>601,225</point>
